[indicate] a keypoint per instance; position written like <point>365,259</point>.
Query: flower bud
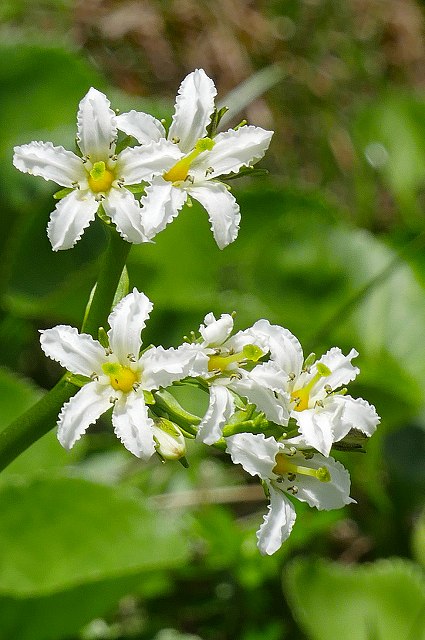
<point>170,443</point>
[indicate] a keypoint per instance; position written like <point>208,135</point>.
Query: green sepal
<point>252,172</point>
<point>136,188</point>
<point>122,288</point>
<point>125,142</point>
<point>149,397</point>
<point>102,336</point>
<point>103,216</point>
<point>183,461</point>
<point>62,193</point>
<point>78,380</point>
<point>353,441</point>
<point>309,361</point>
<point>215,121</point>
<point>167,403</point>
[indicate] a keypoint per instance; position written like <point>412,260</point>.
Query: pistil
<point>284,466</point>
<point>100,178</point>
<point>121,378</point>
<point>179,172</point>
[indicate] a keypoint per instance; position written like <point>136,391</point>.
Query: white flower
<point>118,375</point>
<point>98,177</point>
<point>228,357</point>
<point>320,481</point>
<point>323,414</point>
<point>201,160</point>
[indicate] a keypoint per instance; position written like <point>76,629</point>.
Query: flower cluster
<point>276,413</point>
<point>187,162</point>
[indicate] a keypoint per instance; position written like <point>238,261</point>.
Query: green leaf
<point>380,601</point>
<point>69,549</point>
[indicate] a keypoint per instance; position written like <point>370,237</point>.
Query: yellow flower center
<point>284,466</point>
<point>180,171</point>
<point>121,378</point>
<point>100,178</point>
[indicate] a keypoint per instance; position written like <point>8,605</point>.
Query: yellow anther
<point>100,178</point>
<point>121,378</point>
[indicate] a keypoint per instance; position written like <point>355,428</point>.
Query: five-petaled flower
<point>98,177</point>
<point>322,411</point>
<point>233,368</point>
<point>119,376</point>
<point>201,160</point>
<point>320,481</point>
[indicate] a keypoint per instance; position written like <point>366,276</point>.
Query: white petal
<point>257,392</point>
<point>356,414</point>
<point>81,411</point>
<point>233,150</point>
<point>161,367</point>
<point>255,452</point>
<point>133,426</point>
<point>317,426</point>
<point>160,205</point>
<point>222,208</point>
<point>221,408</point>
<point>323,495</point>
<point>136,164</point>
<point>193,110</point>
<point>50,162</point>
<point>141,126</point>
<point>71,216</point>
<point>245,337</point>
<point>97,130</point>
<point>342,371</point>
<point>215,332</point>
<point>277,524</point>
<point>125,212</point>
<point>127,321</point>
<point>76,352</point>
<point>285,350</point>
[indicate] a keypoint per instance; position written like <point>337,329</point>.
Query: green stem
<point>111,268</point>
<point>39,419</point>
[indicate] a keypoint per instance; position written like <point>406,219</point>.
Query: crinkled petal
<point>71,216</point>
<point>160,205</point>
<point>49,162</point>
<point>137,164</point>
<point>285,349</point>
<point>76,352</point>
<point>277,523</point>
<point>81,411</point>
<point>222,208</point>
<point>232,151</point>
<point>125,212</point>
<point>245,337</point>
<point>96,126</point>
<point>161,367</point>
<point>141,126</point>
<point>342,371</point>
<point>323,495</point>
<point>356,414</point>
<point>317,426</point>
<point>215,332</point>
<point>257,391</point>
<point>127,321</point>
<point>193,110</point>
<point>255,452</point>
<point>133,426</point>
<point>221,407</point>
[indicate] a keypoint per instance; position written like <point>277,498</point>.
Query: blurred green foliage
<point>95,544</point>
